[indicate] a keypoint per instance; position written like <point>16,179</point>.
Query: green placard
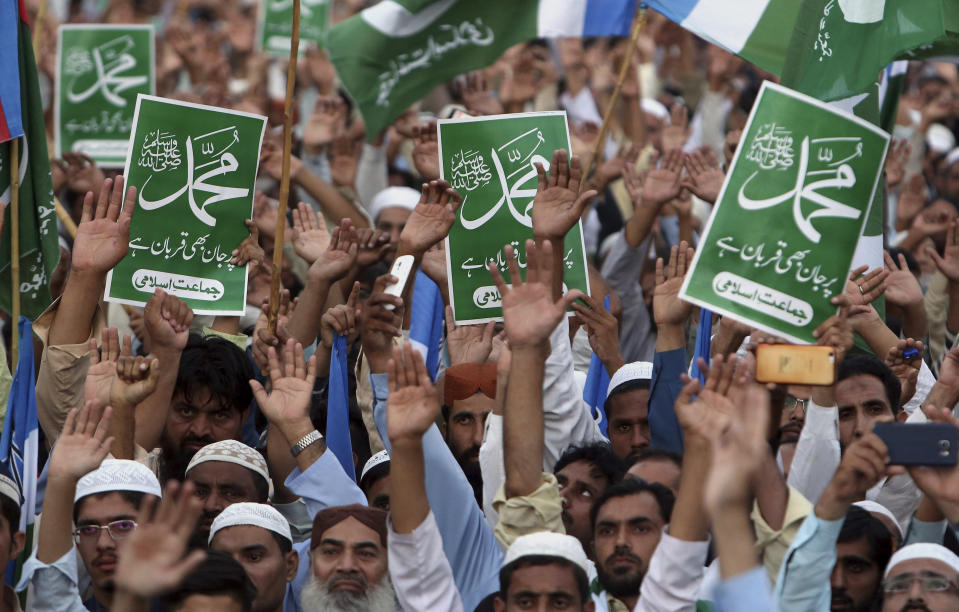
<point>194,167</point>
<point>491,161</point>
<point>100,71</point>
<point>781,238</point>
<point>275,25</point>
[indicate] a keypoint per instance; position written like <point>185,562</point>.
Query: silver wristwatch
<point>301,444</point>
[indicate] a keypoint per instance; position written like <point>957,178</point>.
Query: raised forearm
<point>335,207</point>
<point>772,494</point>
<point>280,462</point>
<point>523,427</point>
<point>914,323</point>
<point>689,521</point>
<point>304,323</point>
<point>952,318</point>
<point>74,319</point>
<point>55,537</point>
<point>670,337</point>
<point>152,412</point>
<point>735,542</point>
<point>409,505</point>
<point>640,224</point>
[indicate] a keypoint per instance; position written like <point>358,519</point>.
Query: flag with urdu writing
<point>21,117</point>
<point>393,53</point>
<point>853,40</point>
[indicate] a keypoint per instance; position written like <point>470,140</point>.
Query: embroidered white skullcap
<point>9,489</point>
<point>231,451</point>
<point>923,551</point>
<point>655,108</point>
<point>952,157</point>
<point>876,508</point>
<point>118,475</point>
<point>394,197</point>
<point>548,544</point>
<point>939,138</point>
<point>249,513</point>
<point>375,460</point>
<point>637,370</point>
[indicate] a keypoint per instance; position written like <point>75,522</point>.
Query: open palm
<point>668,308</point>
<point>431,219</point>
<point>292,385</point>
<point>412,404</point>
<point>558,205</point>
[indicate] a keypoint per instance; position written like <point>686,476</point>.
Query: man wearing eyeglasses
<point>921,577</point>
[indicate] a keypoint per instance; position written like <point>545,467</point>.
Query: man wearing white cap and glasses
<point>627,409</point>
<point>921,577</point>
<point>101,497</point>
<point>259,538</point>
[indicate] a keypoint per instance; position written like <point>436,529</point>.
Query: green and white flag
<point>100,71</point>
<point>781,238</point>
<point>275,25</point>
<point>491,161</point>
<point>194,168</point>
<point>395,52</point>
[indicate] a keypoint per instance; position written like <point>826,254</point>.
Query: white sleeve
<point>924,385</point>
<point>675,573</point>
<point>421,574</point>
<point>491,465</point>
<point>817,452</point>
<point>371,174</point>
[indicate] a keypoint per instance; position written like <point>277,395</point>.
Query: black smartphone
<point>932,444</point>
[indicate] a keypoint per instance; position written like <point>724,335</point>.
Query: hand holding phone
<point>931,444</point>
<point>402,266</point>
<point>792,364</point>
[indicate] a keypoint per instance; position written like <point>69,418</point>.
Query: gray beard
<point>315,597</point>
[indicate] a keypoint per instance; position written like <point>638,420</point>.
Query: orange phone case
<point>793,364</point>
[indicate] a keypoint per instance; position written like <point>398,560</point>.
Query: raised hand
<point>705,178</point>
<point>83,442</point>
<point>338,258</point>
<point>432,218</point>
<point>379,325</point>
<point>103,365</point>
<point>940,484</point>
<point>676,133</point>
<point>863,465</point>
<point>896,162</point>
<point>662,183</point>
<point>902,288</point>
<point>477,97</point>
<point>167,320</point>
<point>263,339</point>
<point>291,384</point>
<point>373,244</point>
<point>154,558</point>
<point>433,264</point>
<point>699,408</point>
<point>310,236</point>
<point>426,151</point>
<point>344,160</point>
<point>250,249</point>
<point>468,343</point>
<point>912,199</point>
<point>412,405</point>
<point>668,309</point>
<point>135,381</point>
<point>82,173</point>
<point>103,235</point>
<point>602,329</point>
<point>948,262</point>
<point>529,313</point>
<point>558,205</point>
<point>327,121</point>
<point>862,288</point>
<point>906,370</point>
<point>340,319</point>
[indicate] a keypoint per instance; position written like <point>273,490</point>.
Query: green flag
<point>275,25</point>
<point>39,252</point>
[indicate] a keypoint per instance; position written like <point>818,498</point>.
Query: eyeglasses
<point>930,582</point>
<point>792,402</point>
<point>118,530</point>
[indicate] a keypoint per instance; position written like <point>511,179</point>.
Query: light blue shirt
<point>804,583</point>
<point>469,544</point>
<point>747,591</point>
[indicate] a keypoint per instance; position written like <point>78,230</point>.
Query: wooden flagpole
<point>15,248</point>
<point>278,239</point>
<point>623,71</point>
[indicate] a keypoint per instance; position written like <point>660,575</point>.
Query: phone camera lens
<point>944,447</point>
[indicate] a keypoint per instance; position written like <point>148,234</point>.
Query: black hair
<point>626,387</point>
<point>911,262</point>
<point>11,512</point>
<point>376,472</point>
<point>134,498</point>
<point>860,524</point>
<point>219,574</point>
<point>658,454</point>
<point>599,454</point>
<point>285,545</point>
<point>506,574</point>
<point>868,365</point>
<point>218,366</point>
<point>634,486</point>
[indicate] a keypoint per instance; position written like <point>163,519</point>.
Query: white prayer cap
<point>923,551</point>
<point>939,138</point>
<point>637,370</point>
<point>547,544</point>
<point>372,462</point>
<point>876,508</point>
<point>952,157</point>
<point>394,197</point>
<point>118,475</point>
<point>9,489</point>
<point>249,513</point>
<point>655,108</point>
<point>231,451</point>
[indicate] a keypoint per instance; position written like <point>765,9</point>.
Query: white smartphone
<point>401,270</point>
